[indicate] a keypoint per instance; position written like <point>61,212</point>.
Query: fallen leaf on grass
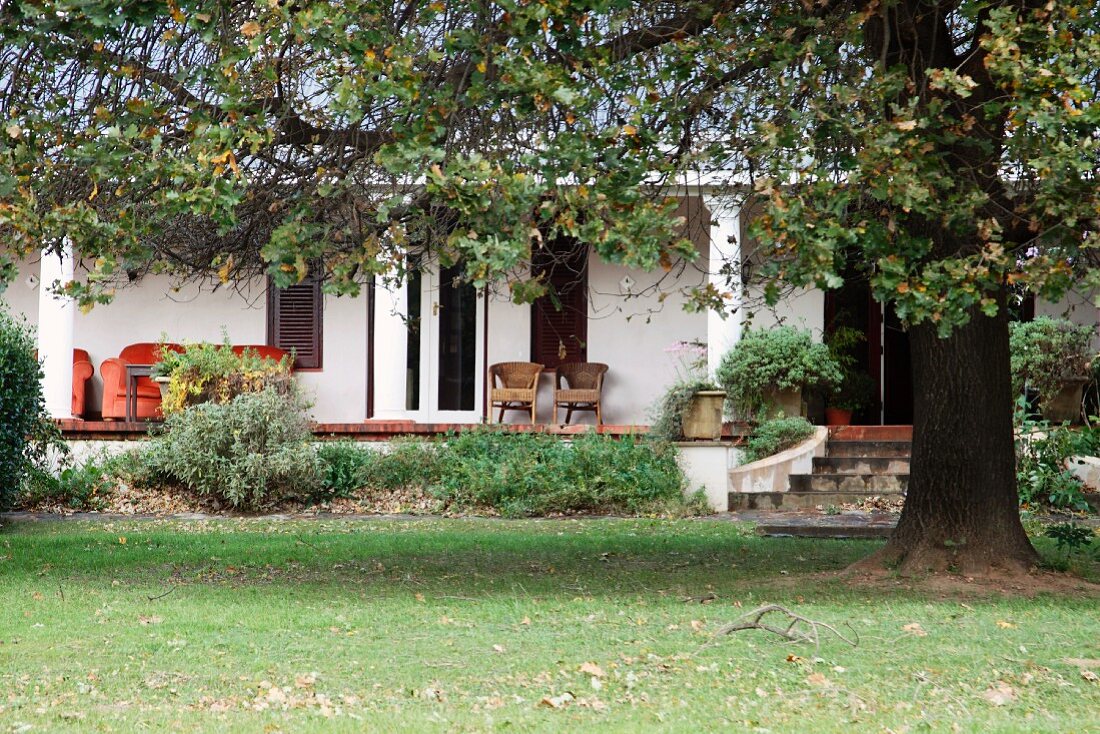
<point>154,619</point>
<point>499,648</point>
<point>915,629</point>
<point>432,694</point>
<point>697,626</point>
<point>1005,625</point>
<point>817,679</point>
<point>1090,676</point>
<point>593,670</point>
<point>1000,694</point>
<point>556,702</point>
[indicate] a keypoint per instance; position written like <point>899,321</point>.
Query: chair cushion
<point>577,396</point>
<point>512,394</point>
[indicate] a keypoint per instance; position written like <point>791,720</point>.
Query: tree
<point>946,151</point>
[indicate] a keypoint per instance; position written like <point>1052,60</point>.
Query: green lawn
<point>466,625</point>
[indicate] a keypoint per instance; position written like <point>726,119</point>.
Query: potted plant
<point>856,391</point>
<point>1053,357</point>
<point>767,370</point>
<point>691,407</point>
<point>690,410</point>
<point>856,387</point>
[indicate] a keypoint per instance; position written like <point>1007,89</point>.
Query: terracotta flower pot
<point>1066,405</point>
<point>786,402</point>
<point>838,417</point>
<point>703,418</point>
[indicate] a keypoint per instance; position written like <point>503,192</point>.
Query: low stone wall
<point>707,464</point>
<point>772,474</point>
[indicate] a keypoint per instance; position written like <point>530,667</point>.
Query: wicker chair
<point>585,383</point>
<point>518,387</point>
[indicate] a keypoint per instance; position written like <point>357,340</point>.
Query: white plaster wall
<point>1078,307</point>
<point>339,388</point>
<point>144,312</point>
<point>631,333</point>
<point>627,331</point>
<point>804,309</point>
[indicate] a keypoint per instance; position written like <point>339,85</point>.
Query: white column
<point>390,345</point>
<point>724,273</point>
<point>55,332</point>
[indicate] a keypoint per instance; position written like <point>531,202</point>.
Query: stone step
<point>835,532</point>
<point>800,500</point>
<point>861,465</point>
<point>860,483</point>
<point>869,448</point>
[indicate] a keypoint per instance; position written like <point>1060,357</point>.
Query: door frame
<point>429,411</point>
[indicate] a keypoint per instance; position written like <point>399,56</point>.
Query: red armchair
<point>113,372</point>
<point>82,372</point>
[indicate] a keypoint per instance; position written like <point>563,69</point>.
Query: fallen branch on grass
<point>161,596</point>
<point>799,628</point>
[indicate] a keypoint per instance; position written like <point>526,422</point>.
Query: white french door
<point>446,350</point>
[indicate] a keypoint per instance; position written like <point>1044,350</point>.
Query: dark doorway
<point>897,373</point>
<point>883,354</point>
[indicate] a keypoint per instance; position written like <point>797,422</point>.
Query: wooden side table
<point>133,373</point>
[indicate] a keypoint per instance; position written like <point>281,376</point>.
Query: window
<point>294,318</point>
<point>559,320</point>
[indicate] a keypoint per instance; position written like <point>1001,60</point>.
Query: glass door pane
<point>414,323</point>
<point>457,341</point>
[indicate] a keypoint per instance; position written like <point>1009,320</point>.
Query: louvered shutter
<point>294,317</point>
<point>559,321</point>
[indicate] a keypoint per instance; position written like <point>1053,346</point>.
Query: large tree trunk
<point>961,510</point>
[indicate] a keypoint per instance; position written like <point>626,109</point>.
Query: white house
<point>420,353</point>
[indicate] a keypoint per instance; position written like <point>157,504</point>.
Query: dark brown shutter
<point>294,318</point>
<point>559,320</point>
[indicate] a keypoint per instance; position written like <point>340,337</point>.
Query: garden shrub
<point>24,425</point>
<point>773,436</point>
<point>206,372</point>
<point>781,358</point>
<point>1045,352</point>
<point>347,466</point>
<point>1041,474</point>
<point>80,487</point>
<point>536,474</point>
<point>249,452</point>
<point>343,469</point>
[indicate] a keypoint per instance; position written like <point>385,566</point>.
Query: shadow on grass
<point>468,557</point>
<point>461,557</point>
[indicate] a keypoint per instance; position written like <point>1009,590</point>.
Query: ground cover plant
<point>255,454</point>
<point>530,625</point>
<point>778,434</point>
